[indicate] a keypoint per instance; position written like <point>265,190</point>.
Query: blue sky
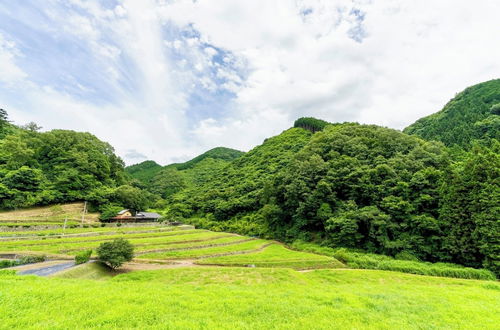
<point>167,80</point>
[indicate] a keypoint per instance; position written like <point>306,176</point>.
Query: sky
<point>168,80</point>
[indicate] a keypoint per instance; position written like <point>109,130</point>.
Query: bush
<point>8,263</point>
<point>83,257</point>
<point>22,261</point>
<point>115,253</point>
<point>31,259</point>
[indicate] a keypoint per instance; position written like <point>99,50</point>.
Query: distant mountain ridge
<point>471,115</point>
<point>146,171</point>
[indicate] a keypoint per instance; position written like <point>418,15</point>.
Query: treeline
<point>41,168</point>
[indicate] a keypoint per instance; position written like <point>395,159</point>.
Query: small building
<point>128,216</point>
<point>147,216</point>
<point>124,214</point>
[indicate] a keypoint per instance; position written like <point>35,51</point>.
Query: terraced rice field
<point>163,245</point>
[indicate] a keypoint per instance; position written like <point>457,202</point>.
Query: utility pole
<point>84,211</point>
<point>64,227</point>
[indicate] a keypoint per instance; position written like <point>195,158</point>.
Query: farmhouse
<point>128,216</point>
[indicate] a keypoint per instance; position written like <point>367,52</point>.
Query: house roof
<point>148,215</point>
<point>123,211</point>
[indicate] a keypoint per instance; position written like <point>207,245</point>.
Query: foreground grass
<point>243,298</point>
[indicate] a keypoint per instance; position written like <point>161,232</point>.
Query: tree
<point>167,182</point>
<point>109,211</point>
<point>32,127</point>
<point>115,253</point>
<point>83,257</point>
<point>24,179</point>
<point>3,120</point>
<point>131,198</point>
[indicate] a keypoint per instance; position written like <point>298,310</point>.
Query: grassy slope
<point>241,298</point>
<point>89,271</point>
<point>54,214</point>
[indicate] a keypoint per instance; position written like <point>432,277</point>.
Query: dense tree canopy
<point>310,123</point>
<point>38,168</point>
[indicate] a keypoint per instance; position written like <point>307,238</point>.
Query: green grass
<point>91,271</point>
<point>274,256</point>
<point>29,224</point>
<point>233,239</point>
<point>244,298</point>
<point>150,241</point>
<point>88,231</point>
<point>208,251</point>
<point>76,243</point>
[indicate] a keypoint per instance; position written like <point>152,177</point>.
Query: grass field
<point>185,278</point>
<point>250,298</point>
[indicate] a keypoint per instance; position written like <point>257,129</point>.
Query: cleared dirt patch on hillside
<point>50,214</point>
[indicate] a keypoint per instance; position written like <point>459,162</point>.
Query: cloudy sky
<point>167,80</point>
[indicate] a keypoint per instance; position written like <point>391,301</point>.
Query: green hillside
<point>222,153</point>
<point>357,186</point>
<point>144,171</point>
<point>167,180</point>
<point>473,114</point>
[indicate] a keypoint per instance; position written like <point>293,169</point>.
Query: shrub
<point>31,259</point>
<point>8,263</point>
<point>115,253</point>
<point>405,255</point>
<point>83,257</point>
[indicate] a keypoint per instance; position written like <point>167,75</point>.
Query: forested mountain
<point>222,153</point>
<point>40,168</point>
<point>167,180</point>
<point>473,114</point>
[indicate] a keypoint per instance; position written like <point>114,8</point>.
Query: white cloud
<point>9,71</point>
<point>384,62</point>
